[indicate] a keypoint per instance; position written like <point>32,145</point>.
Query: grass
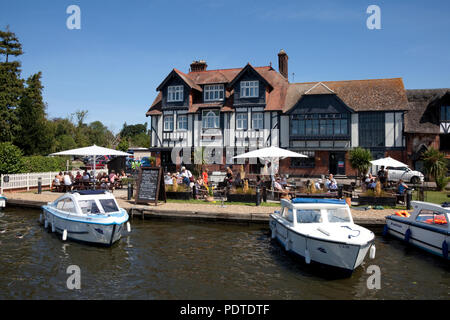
<point>219,202</point>
<point>433,196</point>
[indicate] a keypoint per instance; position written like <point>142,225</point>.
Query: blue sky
<point>125,49</point>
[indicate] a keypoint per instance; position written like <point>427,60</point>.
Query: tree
<point>435,165</point>
<point>35,137</point>
<point>360,160</point>
<point>123,145</point>
<point>9,44</point>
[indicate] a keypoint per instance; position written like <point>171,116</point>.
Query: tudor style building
<point>236,110</point>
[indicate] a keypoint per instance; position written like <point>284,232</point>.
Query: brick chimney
<point>198,66</point>
<point>283,63</point>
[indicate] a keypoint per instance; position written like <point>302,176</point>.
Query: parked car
<point>145,162</point>
<point>406,174</point>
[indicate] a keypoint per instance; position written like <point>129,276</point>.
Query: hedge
<point>44,164</point>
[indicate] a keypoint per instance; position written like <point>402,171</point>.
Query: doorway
<point>337,163</point>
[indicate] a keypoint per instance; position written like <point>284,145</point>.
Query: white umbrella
<point>272,155</point>
<point>388,162</point>
<point>91,151</point>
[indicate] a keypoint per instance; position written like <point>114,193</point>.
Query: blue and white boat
<point>2,201</point>
<point>425,227</point>
<point>89,216</point>
<point>322,230</point>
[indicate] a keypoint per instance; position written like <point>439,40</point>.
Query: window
<point>210,119</point>
<point>213,92</point>
<point>168,123</point>
<point>338,215</point>
<point>432,217</point>
<point>288,214</point>
<point>371,129</point>
<point>88,206</point>
<point>319,124</point>
<point>174,93</point>
<point>249,89</point>
<point>66,205</point>
<point>258,120</point>
<point>109,205</point>
<point>308,216</point>
<point>241,121</point>
<point>182,122</point>
<point>445,113</point>
<point>309,162</point>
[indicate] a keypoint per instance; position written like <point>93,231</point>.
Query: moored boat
<point>425,227</point>
<point>89,216</point>
<point>2,201</point>
<point>322,230</point>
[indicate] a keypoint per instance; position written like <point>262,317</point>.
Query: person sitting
<point>187,176</point>
<point>402,187</point>
<point>168,179</point>
<point>67,182</point>
<point>283,181</point>
<point>78,176</point>
<point>284,193</point>
<point>318,184</point>
<point>372,184</point>
<point>199,184</point>
<point>331,183</point>
<point>85,176</point>
<point>104,181</point>
<point>56,183</point>
<point>229,176</point>
<point>60,176</point>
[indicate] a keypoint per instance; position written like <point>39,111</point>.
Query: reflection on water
<point>180,260</point>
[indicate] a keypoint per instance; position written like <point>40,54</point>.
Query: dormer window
<point>249,89</point>
<point>174,93</point>
<point>214,92</point>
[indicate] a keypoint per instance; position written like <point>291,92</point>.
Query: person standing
<point>382,176</point>
<point>205,176</point>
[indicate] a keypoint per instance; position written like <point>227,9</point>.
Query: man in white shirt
<point>67,181</point>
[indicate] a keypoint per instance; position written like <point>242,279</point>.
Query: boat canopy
<point>309,200</point>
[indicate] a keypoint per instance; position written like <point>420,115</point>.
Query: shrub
<point>11,160</point>
<point>360,160</point>
<point>441,182</point>
<point>44,164</point>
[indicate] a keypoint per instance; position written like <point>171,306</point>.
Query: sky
<point>113,64</point>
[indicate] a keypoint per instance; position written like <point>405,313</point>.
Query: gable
<point>249,73</point>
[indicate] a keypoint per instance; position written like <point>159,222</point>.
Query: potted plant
<point>210,193</point>
<point>180,192</point>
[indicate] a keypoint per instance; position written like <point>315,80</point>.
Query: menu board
<point>150,186</point>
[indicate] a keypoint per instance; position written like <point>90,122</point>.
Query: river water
<point>185,260</point>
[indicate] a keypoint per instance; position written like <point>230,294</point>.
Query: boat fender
<point>274,233</point>
<point>408,235</point>
<point>128,227</point>
<point>372,252</point>
<point>385,230</point>
<point>445,249</point>
<point>53,227</point>
<point>307,257</point>
<point>287,245</point>
<point>40,218</point>
<point>45,223</point>
<point>64,235</point>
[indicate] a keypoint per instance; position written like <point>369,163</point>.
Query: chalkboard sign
<point>150,186</point>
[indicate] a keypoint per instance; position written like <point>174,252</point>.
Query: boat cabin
<point>87,202</point>
<point>301,211</point>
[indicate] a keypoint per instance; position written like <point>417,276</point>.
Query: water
<point>181,260</point>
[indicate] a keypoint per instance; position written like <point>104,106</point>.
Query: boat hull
<point>428,238</point>
<point>2,202</point>
<point>331,253</point>
<point>84,231</point>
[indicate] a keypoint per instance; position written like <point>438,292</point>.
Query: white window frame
<point>249,89</point>
<point>175,93</point>
<point>214,115</point>
<point>241,121</point>
<point>259,120</point>
<point>182,119</point>
<point>168,124</point>
<point>213,92</point>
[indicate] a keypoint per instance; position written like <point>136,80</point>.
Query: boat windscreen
<point>338,215</point>
<point>89,206</point>
<point>109,205</point>
<point>308,216</point>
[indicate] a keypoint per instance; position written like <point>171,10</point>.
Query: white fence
<point>30,180</point>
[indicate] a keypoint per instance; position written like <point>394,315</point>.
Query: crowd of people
<point>68,181</point>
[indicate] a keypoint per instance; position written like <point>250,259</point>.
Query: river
<point>164,259</point>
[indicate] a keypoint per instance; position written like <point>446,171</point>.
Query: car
<point>146,162</point>
<point>405,174</point>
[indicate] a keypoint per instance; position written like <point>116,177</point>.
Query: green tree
<point>123,145</point>
<point>35,137</point>
<point>435,165</point>
<point>11,160</point>
<point>9,44</point>
<point>360,160</point>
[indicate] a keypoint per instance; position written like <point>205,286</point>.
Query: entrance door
<point>337,163</point>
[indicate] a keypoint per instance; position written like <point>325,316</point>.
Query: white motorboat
<point>322,230</point>
<point>90,216</point>
<point>426,227</point>
<point>2,201</point>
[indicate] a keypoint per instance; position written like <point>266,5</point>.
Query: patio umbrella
<point>272,155</point>
<point>388,162</point>
<point>93,151</point>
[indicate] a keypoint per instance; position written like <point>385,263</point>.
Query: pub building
<point>232,111</point>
